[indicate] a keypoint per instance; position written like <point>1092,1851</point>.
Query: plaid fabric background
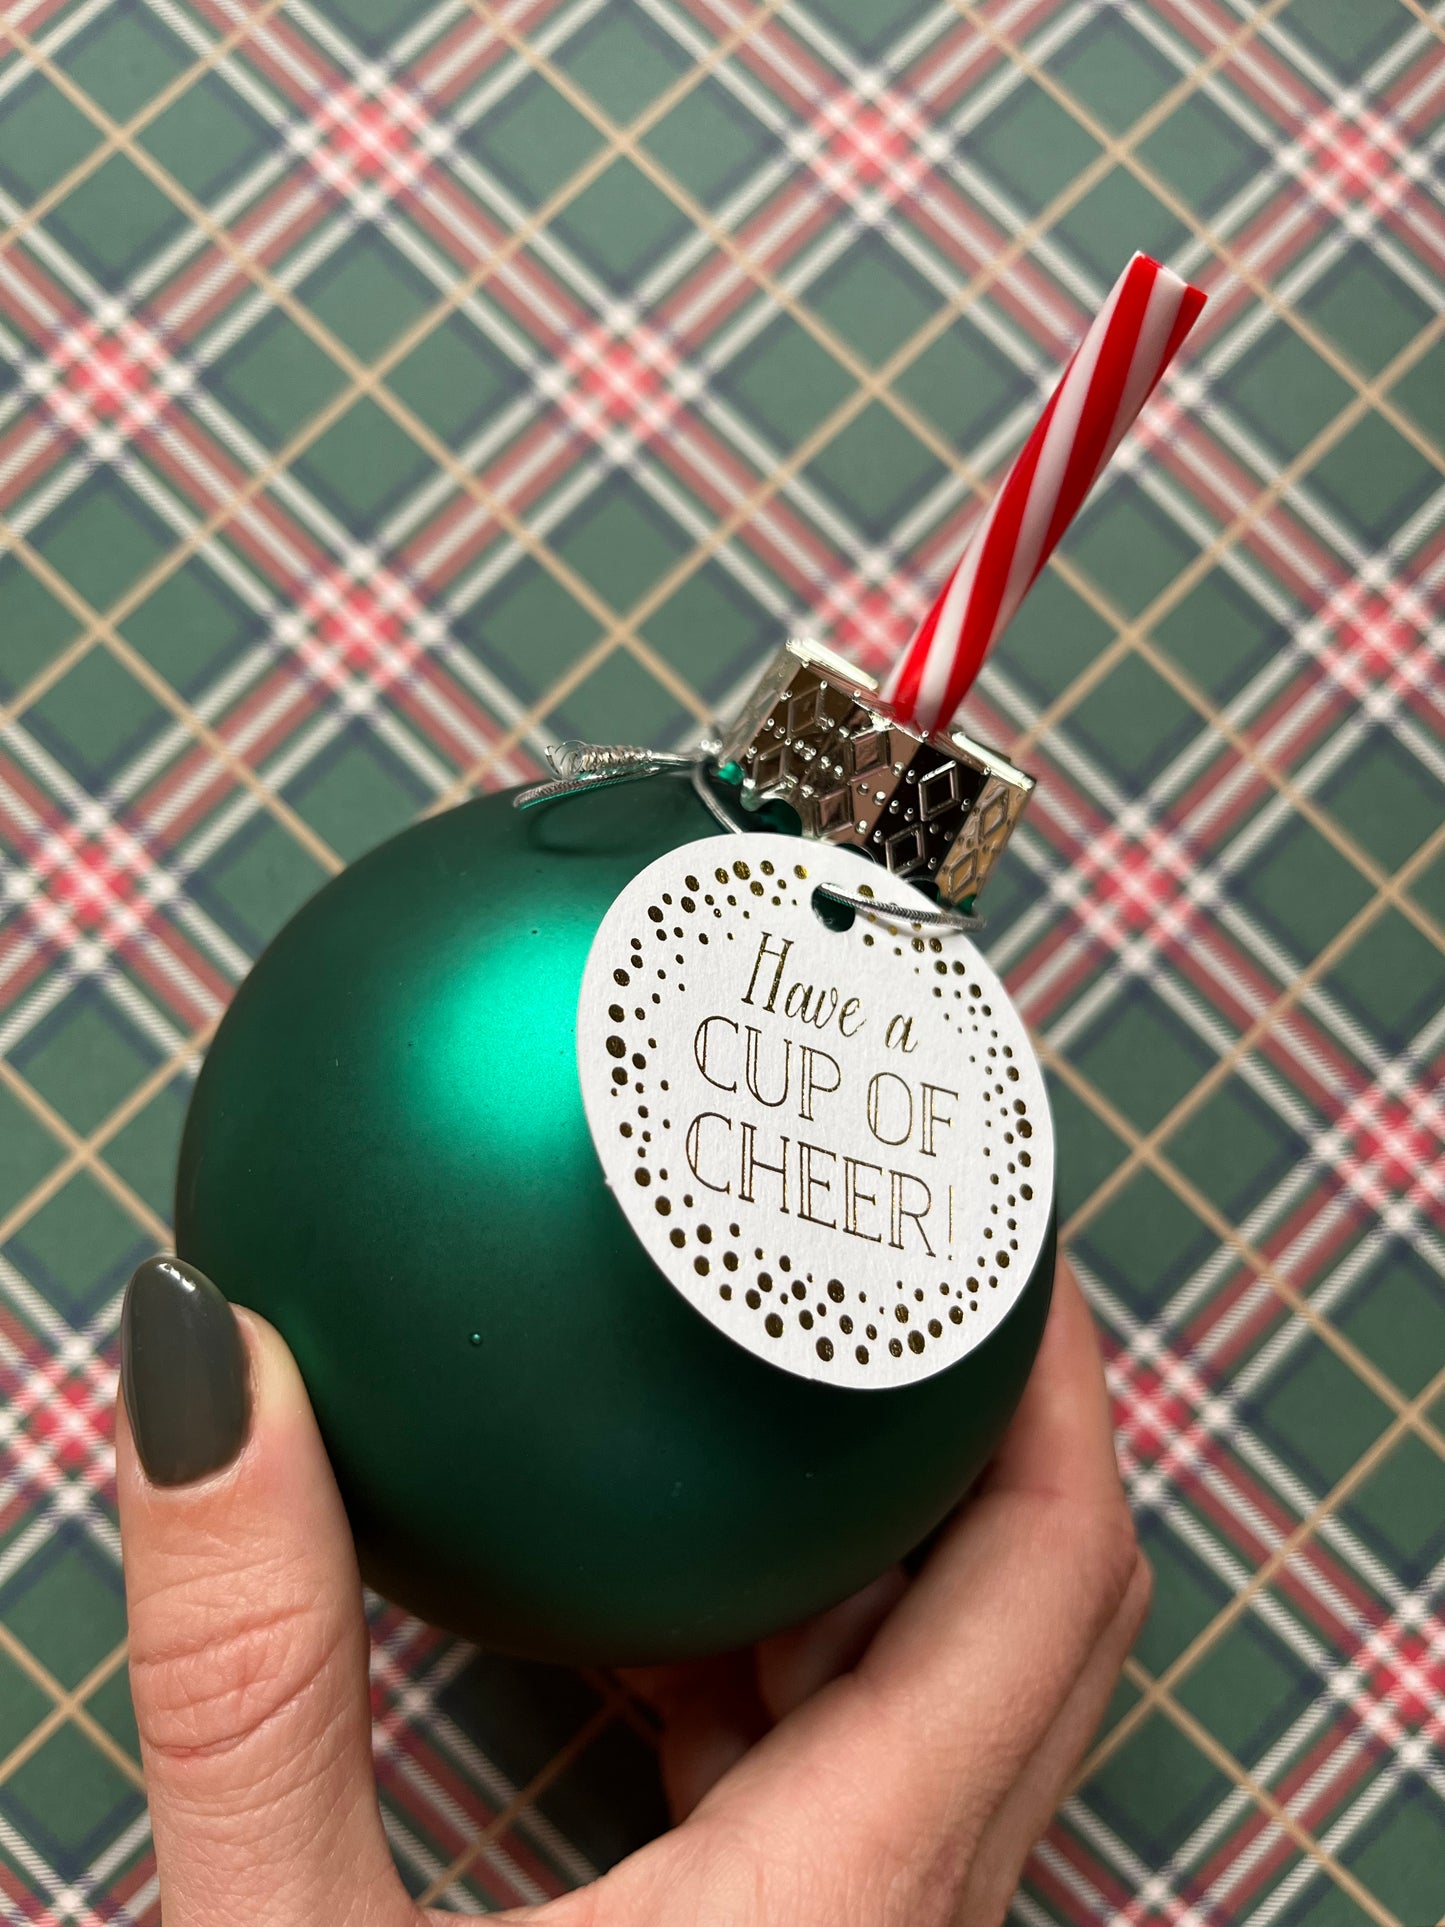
<point>389,388</point>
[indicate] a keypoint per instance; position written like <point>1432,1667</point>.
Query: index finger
<point>1061,1437</point>
<point>966,1677</point>
<point>1045,1546</point>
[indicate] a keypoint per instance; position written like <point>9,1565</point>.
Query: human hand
<point>892,1761</point>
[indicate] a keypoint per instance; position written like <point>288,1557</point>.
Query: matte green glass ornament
<point>540,1444</point>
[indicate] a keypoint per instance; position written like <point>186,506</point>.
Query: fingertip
<point>1070,1325</point>
<point>711,1716</point>
<point>247,1636</point>
<point>184,1373</point>
<point>275,1376</point>
<point>1139,1595</point>
<point>792,1666</point>
<point>200,1380</point>
<point>1062,1434</point>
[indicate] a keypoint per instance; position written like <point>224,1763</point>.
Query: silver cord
<point>960,920</point>
<point>854,899</point>
<point>709,801</point>
<point>610,759</point>
<point>595,766</point>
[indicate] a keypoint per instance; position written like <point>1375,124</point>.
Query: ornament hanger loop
<point>957,921</point>
<point>860,900</point>
<point>594,766</point>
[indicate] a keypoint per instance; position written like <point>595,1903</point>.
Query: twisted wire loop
<point>594,766</point>
<point>958,921</point>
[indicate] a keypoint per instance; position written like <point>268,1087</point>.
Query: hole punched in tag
<point>817,739</point>
<point>590,766</point>
<point>832,911</point>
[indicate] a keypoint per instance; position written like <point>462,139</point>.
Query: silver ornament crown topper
<point>931,805</point>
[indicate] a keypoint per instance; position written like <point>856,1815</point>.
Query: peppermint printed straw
<point>1113,371</point>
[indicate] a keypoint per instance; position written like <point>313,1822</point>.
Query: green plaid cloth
<point>390,388</point>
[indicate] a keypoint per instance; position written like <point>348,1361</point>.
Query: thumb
<point>247,1640</point>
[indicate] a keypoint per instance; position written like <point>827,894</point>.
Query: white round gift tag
<point>835,1144</point>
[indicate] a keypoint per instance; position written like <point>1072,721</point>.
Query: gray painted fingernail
<point>183,1372</point>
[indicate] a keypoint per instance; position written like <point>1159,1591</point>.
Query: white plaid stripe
<point>412,1704</point>
<point>884,564</point>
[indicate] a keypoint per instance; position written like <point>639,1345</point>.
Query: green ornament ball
<point>540,1444</point>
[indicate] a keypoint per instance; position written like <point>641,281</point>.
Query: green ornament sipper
<point>655,1185</point>
<point>652,1180</point>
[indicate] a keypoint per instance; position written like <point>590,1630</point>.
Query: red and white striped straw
<point>1113,371</point>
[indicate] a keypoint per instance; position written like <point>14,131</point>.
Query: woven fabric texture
<point>388,389</point>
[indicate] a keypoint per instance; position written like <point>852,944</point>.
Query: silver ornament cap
<point>931,806</point>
